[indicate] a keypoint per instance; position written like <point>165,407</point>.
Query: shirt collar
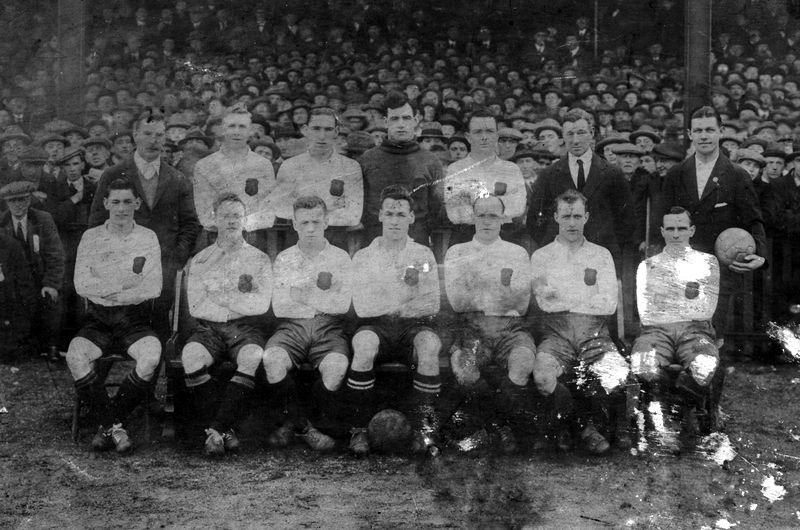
<point>23,220</point>
<point>586,157</point>
<point>142,164</point>
<point>107,226</point>
<point>699,163</point>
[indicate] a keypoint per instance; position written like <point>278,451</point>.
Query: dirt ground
<point>46,481</point>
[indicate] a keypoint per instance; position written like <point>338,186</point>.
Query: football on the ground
<point>734,244</point>
<point>389,432</point>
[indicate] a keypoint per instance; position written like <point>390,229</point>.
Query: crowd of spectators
<point>527,64</point>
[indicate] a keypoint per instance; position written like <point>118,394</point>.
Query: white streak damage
<point>717,448</point>
<point>665,437</point>
<point>612,371</point>
<point>703,366</point>
<point>771,491</point>
<point>787,337</point>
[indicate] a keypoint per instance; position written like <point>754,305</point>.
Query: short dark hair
<point>398,193</point>
<point>481,112</point>
<point>227,197</point>
<point>570,197</point>
<point>395,100</point>
<point>574,115</point>
<point>121,184</point>
<point>309,202</point>
<point>677,210</point>
<point>706,111</point>
<point>324,111</point>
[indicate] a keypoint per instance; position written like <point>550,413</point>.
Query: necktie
<point>18,232</point>
<point>72,190</point>
<point>581,176</point>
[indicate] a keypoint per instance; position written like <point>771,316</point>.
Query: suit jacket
<point>530,55</point>
<point>18,296</point>
<point>172,216</point>
<point>257,37</point>
<point>42,247</point>
<point>728,200</point>
<point>781,206</point>
<point>582,60</point>
<point>70,217</point>
<point>609,203</point>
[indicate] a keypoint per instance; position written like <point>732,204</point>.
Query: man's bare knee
<point>520,365</point>
<point>81,353</point>
<point>333,368</point>
<point>147,353</point>
<point>365,349</point>
<point>426,351</point>
<point>546,371</point>
<point>248,359</point>
<point>277,364</point>
<point>195,357</point>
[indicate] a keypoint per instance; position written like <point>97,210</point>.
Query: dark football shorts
<point>310,339</point>
<point>225,339</point>
<point>123,325</point>
<point>396,335</point>
<point>494,336</point>
<point>565,334</point>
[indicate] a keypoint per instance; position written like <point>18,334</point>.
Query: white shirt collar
<point>77,183</point>
<point>586,157</point>
<point>148,170</point>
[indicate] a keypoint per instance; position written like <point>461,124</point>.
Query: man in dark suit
<point>719,195</point>
<point>17,299</point>
<point>574,55</point>
<point>538,51</point>
<point>167,205</point>
<point>69,203</point>
<point>609,197</point>
<point>259,30</point>
<point>37,233</point>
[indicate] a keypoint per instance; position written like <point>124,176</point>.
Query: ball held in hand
<point>734,244</point>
